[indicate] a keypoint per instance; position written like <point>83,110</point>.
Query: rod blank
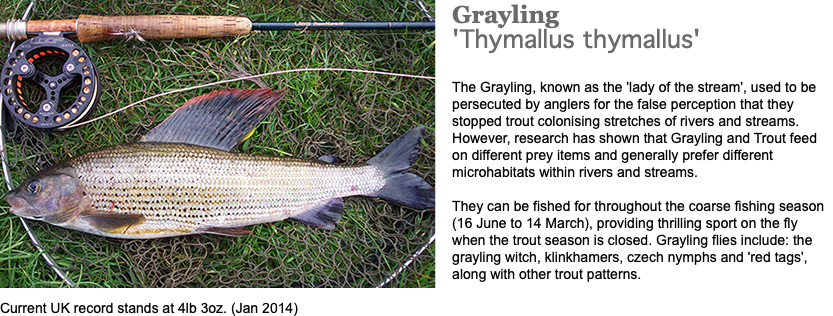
<point>376,25</point>
<point>90,28</point>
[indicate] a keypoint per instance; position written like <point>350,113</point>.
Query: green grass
<point>351,115</point>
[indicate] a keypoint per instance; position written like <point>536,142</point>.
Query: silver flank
<point>183,189</point>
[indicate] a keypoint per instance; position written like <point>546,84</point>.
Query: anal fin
<point>324,216</point>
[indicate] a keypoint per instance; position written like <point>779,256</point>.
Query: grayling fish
<point>181,179</point>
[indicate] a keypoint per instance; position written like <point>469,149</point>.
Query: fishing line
<point>246,78</point>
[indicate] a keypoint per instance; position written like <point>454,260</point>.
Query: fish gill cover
<point>350,115</point>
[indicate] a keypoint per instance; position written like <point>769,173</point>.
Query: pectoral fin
<point>113,223</point>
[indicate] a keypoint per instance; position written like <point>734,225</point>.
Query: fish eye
<point>33,187</point>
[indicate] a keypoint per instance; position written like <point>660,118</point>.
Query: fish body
<point>186,189</point>
<point>155,188</point>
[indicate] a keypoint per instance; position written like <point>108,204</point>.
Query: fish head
<point>55,197</point>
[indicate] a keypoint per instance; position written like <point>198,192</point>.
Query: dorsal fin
<point>220,119</point>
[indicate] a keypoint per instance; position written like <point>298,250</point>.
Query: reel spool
<point>49,82</point>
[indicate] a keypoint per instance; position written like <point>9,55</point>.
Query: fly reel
<point>48,82</point>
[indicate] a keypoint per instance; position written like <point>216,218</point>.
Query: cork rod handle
<point>92,28</point>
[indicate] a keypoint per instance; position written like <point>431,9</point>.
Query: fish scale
<point>179,187</point>
<point>181,178</point>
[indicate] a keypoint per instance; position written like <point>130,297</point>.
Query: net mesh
<point>350,115</point>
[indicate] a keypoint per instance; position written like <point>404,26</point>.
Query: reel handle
<point>91,28</point>
<point>49,26</point>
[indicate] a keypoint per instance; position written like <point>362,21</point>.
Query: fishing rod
<point>91,28</point>
<point>49,41</point>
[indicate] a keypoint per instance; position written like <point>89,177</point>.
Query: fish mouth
<point>21,207</point>
<point>17,203</point>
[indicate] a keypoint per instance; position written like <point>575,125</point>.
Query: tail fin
<point>403,188</point>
